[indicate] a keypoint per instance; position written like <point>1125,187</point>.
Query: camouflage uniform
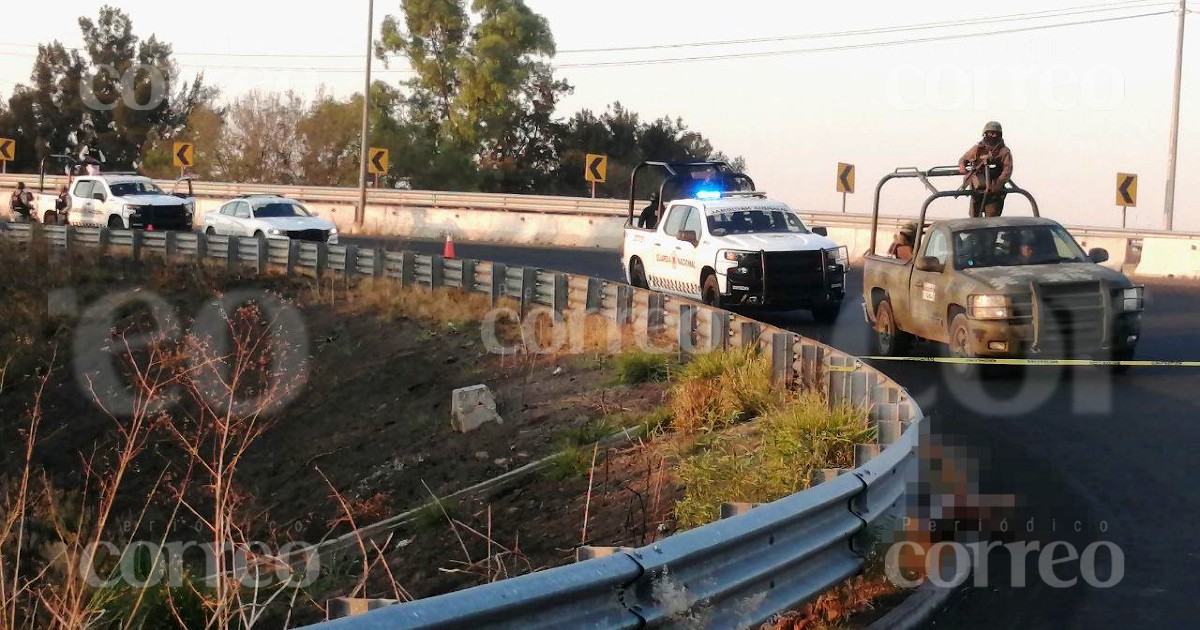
<point>990,168</point>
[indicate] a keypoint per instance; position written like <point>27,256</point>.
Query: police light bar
<point>719,194</point>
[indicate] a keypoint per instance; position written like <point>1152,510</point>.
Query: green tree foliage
<point>119,96</point>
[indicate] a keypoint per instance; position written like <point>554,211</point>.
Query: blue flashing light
<point>708,194</point>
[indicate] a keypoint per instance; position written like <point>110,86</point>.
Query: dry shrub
<point>720,389</point>
<point>393,301</point>
<point>774,460</point>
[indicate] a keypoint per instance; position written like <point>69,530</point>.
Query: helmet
<point>993,126</point>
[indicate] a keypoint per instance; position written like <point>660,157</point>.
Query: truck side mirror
<point>688,236</point>
<point>1098,255</point>
<point>821,231</point>
<point>98,196</point>
<point>929,263</point>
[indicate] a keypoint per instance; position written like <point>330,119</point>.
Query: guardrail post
<point>263,256</point>
<point>293,257</point>
<point>137,244</point>
<point>350,268</point>
<point>750,333</point>
<point>655,312</point>
<point>528,289</point>
<point>437,271</point>
<point>499,281</point>
<point>864,453</point>
<point>562,290</point>
<point>232,253</point>
<point>322,260</point>
<point>595,295</point>
<point>889,431</point>
<point>729,509</point>
<point>624,307</point>
<point>783,349</point>
<point>468,275</point>
<point>69,241</point>
<point>821,475</point>
<point>687,327</point>
<point>104,240</point>
<point>719,329</point>
<point>379,263</point>
<point>36,233</point>
<point>408,269</point>
<point>170,244</point>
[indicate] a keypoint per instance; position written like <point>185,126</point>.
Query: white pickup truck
<point>123,201</point>
<point>737,248</point>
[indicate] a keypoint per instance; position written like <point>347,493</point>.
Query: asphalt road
<point>1070,448</point>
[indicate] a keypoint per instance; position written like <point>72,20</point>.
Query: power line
<point>1050,13</point>
<point>1044,14</point>
<point>779,53</point>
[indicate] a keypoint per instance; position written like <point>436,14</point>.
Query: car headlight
<point>733,255</point>
<point>333,230</point>
<point>988,307</point>
<point>275,232</point>
<point>840,255</point>
<point>1134,299</point>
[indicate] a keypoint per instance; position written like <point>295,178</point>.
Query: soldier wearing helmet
<point>987,166</point>
<point>902,245</point>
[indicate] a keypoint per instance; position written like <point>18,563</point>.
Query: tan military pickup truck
<point>1001,287</point>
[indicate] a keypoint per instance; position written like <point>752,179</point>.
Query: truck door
<point>663,273</point>
<point>83,206</point>
<point>926,297</point>
<point>685,271</point>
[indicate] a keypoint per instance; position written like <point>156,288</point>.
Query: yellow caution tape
<point>1074,362</point>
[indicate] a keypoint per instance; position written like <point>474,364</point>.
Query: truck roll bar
<point>938,171</point>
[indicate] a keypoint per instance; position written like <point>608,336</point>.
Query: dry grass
<point>799,434</point>
<point>834,609</point>
<point>721,389</point>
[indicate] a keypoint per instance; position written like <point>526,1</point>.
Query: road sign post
<point>8,151</point>
<point>1126,194</point>
<point>845,181</point>
<point>595,169</point>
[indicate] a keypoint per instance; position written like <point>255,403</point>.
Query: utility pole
<point>1173,151</point>
<point>360,213</point>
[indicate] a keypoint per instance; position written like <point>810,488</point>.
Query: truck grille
<point>319,236</point>
<point>1068,316</point>
<point>791,274</point>
<point>164,217</point>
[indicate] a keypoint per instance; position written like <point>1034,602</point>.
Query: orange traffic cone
<point>448,250</point>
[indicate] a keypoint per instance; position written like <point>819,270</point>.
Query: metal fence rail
<point>734,573</point>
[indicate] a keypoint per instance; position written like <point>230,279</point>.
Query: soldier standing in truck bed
<point>988,166</point>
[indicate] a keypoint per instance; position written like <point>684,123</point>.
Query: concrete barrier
<point>1170,258</point>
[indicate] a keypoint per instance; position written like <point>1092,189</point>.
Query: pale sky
<point>1079,103</point>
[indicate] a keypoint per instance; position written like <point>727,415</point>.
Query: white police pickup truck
<point>127,201</point>
<point>737,248</point>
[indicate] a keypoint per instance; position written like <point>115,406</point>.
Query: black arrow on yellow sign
<point>375,159</point>
<point>6,149</point>
<point>594,168</point>
<point>1128,190</point>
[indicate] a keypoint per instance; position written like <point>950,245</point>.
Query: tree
<point>330,135</point>
<point>261,142</point>
<point>483,96</point>
<point>124,97</point>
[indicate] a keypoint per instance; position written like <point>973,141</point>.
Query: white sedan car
<point>270,216</point>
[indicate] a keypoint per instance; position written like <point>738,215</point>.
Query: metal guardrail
<point>533,204</point>
<point>737,572</point>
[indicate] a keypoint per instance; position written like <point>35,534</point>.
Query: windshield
<point>278,209</point>
<point>128,189</point>
<point>746,221</point>
<point>1015,246</point>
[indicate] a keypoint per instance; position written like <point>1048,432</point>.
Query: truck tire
<point>959,345</point>
<point>1121,355</point>
<point>115,223</point>
<point>891,341</point>
<point>827,313</point>
<point>711,293</point>
<point>637,274</point>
